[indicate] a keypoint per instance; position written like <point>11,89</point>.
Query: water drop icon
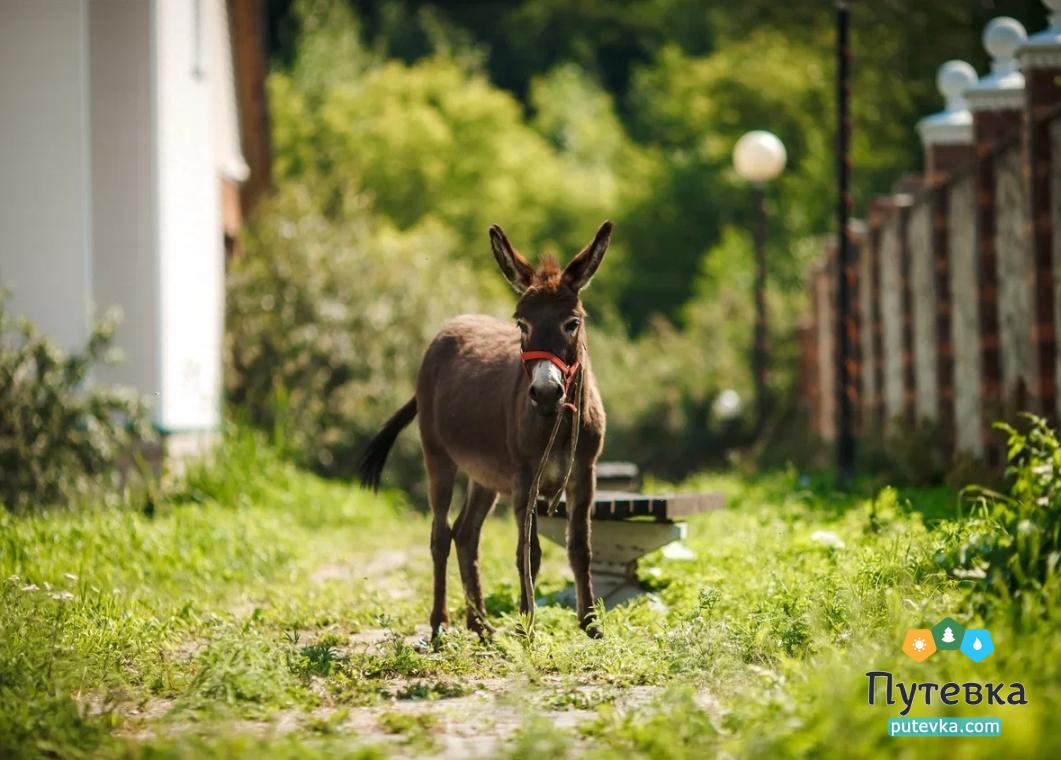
<point>977,644</point>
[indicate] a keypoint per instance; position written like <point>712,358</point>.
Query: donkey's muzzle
<point>546,396</point>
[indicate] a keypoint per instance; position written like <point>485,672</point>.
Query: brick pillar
<point>947,136</point>
<point>997,104</point>
<point>941,161</point>
<point>1040,59</point>
<point>987,131</point>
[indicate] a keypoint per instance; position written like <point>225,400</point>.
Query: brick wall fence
<point>957,285</point>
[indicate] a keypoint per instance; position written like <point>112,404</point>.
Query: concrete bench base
<point>617,546</point>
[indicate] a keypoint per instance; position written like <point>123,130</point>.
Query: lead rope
<point>532,501</point>
<point>576,417</point>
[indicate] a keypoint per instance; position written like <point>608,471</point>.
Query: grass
<point>260,609</point>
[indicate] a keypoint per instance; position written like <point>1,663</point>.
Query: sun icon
<point>919,644</point>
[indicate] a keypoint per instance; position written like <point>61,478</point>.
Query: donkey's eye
<point>571,325</point>
<point>524,328</point>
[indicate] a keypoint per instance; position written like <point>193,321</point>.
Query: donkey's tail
<point>370,468</point>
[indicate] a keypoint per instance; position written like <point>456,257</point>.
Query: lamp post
<point>758,158</point>
<point>845,439</point>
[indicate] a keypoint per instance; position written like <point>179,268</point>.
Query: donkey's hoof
<point>479,626</point>
<point>439,634</point>
<point>592,628</point>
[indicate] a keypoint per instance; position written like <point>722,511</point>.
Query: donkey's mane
<point>549,275</point>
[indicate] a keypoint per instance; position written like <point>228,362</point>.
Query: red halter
<point>567,370</point>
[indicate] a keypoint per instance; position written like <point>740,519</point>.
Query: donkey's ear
<point>517,270</point>
<point>582,268</point>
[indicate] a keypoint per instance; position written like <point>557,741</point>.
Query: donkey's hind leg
<point>466,531</point>
<point>441,472</point>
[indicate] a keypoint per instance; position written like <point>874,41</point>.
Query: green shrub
<point>328,320</point>
<point>58,436</point>
<point>1014,540</point>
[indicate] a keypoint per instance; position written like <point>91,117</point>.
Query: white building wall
<point>117,123</point>
<point>124,266</point>
<point>190,244</point>
<point>45,225</point>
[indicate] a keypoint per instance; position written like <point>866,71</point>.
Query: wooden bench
<point>626,527</point>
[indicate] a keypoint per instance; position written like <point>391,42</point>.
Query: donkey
<point>516,408</point>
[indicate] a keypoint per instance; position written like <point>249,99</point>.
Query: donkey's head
<point>549,312</point>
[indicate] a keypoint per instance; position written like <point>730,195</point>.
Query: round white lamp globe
<point>759,156</point>
<point>727,405</point>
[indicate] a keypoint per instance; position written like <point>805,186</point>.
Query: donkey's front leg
<point>580,501</point>
<point>525,559</point>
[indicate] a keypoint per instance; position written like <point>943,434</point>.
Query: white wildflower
<point>827,538</point>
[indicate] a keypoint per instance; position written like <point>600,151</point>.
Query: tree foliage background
<point>401,130</point>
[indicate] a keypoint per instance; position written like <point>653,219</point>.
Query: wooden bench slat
<point>617,505</point>
<point>685,504</point>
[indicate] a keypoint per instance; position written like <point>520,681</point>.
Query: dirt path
<point>469,716</point>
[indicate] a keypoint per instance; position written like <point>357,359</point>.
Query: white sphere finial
<point>1040,50</point>
<point>759,156</point>
<point>953,79</point>
<point>1002,37</point>
<point>1054,6</point>
<point>954,124</point>
<point>1003,88</point>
